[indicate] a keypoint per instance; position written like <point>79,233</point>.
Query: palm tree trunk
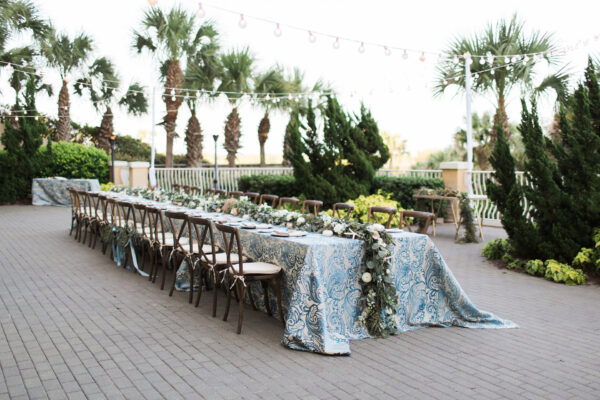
<point>193,140</point>
<point>232,136</point>
<point>500,118</point>
<point>263,134</point>
<point>174,80</point>
<point>63,124</point>
<point>106,131</point>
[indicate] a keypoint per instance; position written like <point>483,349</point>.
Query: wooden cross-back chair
<point>176,187</point>
<point>390,211</point>
<point>75,211</point>
<point>288,200</point>
<point>252,196</point>
<point>240,274</point>
<point>349,208</point>
<point>86,216</point>
<point>220,192</point>
<point>315,204</point>
<point>209,191</point>
<point>195,190</point>
<point>235,193</point>
<point>161,243</point>
<point>144,227</point>
<point>427,216</point>
<point>268,198</point>
<point>180,248</point>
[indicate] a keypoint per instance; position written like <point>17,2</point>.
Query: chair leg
<point>73,219</point>
<point>252,303</point>
<point>277,283</point>
<point>96,237</point>
<point>191,271</point>
<point>85,229</point>
<point>165,261</point>
<point>144,249</point>
<point>214,288</point>
<point>242,290</point>
<point>265,286</point>
<point>228,302</point>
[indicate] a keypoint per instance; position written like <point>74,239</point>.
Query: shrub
<point>495,249</point>
<point>128,148</point>
<point>362,204</point>
<point>281,185</point>
<point>559,272</point>
<point>76,161</point>
<point>535,267</point>
<point>402,188</point>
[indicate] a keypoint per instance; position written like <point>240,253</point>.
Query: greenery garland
<point>379,300</point>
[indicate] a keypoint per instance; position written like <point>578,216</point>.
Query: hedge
<point>400,188</point>
<point>76,161</point>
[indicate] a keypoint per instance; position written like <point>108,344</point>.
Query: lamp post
<point>216,180</point>
<point>112,158</point>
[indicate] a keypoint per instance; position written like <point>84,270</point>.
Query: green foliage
<point>106,187</point>
<point>128,148</point>
<point>281,185</point>
<point>516,263</point>
<point>160,159</point>
<point>363,203</point>
<point>75,161</point>
<point>535,267</point>
<point>20,163</point>
<point>495,249</point>
<point>402,188</point>
<point>564,273</point>
<point>466,213</point>
<point>341,164</point>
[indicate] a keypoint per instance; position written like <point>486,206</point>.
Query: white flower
<point>378,227</point>
<point>339,228</point>
<point>376,235</point>
<point>289,217</point>
<point>387,271</point>
<point>300,221</point>
<point>327,232</point>
<point>366,277</point>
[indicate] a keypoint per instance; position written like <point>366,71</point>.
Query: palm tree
<point>66,56</point>
<point>494,45</point>
<point>102,84</point>
<point>203,69</point>
<point>18,17</point>
<point>236,79</point>
<point>269,86</point>
<point>171,38</point>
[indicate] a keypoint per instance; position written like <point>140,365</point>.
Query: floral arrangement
<point>379,300</point>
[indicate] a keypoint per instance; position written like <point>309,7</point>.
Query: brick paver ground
<point>73,325</point>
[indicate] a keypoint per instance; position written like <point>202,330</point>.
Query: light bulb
<point>525,58</point>
<point>422,58</point>
<point>289,96</point>
<point>173,98</point>
<point>37,72</point>
<point>152,2</point>
<point>445,82</point>
<point>455,59</point>
<point>277,31</point>
<point>513,59</point>
<point>506,60</point>
<point>311,38</point>
<point>336,44</point>
<point>490,60</point>
<point>361,48</point>
<point>405,55</point>
<point>242,24</point>
<point>200,13</point>
<point>36,118</point>
<point>492,72</point>
<point>482,61</point>
<point>267,97</point>
<point>386,51</point>
<point>65,79</point>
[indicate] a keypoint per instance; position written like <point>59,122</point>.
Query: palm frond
<point>134,100</point>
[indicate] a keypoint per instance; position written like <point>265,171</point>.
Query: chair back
<point>74,201</point>
<point>427,216</point>
<point>195,190</point>
<point>252,196</point>
<point>307,204</point>
<point>102,206</point>
<point>156,223</point>
<point>112,212</point>
<point>349,208</point>
<point>220,192</point>
<point>94,203</point>
<point>391,211</point>
<point>210,191</point>
<point>143,217</point>
<point>235,193</point>
<point>268,198</point>
<point>288,200</point>
<point>202,229</point>
<point>176,187</point>
<point>126,214</point>
<point>178,222</point>
<point>231,238</point>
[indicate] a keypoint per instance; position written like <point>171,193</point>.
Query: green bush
<point>76,161</point>
<point>160,159</point>
<point>363,203</point>
<point>559,272</point>
<point>128,148</point>
<point>535,267</point>
<point>402,188</point>
<point>495,249</point>
<point>281,185</point>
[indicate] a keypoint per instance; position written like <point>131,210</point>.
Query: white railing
<point>425,173</point>
<point>203,177</point>
<point>480,200</point>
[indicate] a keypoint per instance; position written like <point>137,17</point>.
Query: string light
<point>386,51</point>
<point>455,59</point>
<point>277,31</point>
<point>422,58</point>
<point>405,55</point>
<point>311,38</point>
<point>200,13</point>
<point>242,24</point>
<point>336,43</point>
<point>361,48</point>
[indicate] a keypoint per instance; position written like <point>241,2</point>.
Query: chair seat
<point>206,249</point>
<point>221,258</point>
<point>257,268</point>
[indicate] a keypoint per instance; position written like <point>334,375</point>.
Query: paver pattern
<point>73,325</point>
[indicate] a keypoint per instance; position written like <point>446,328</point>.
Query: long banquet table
<point>321,291</point>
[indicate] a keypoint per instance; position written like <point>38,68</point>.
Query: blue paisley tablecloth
<point>321,291</point>
<point>53,191</point>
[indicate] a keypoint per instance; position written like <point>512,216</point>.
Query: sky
<point>398,91</point>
